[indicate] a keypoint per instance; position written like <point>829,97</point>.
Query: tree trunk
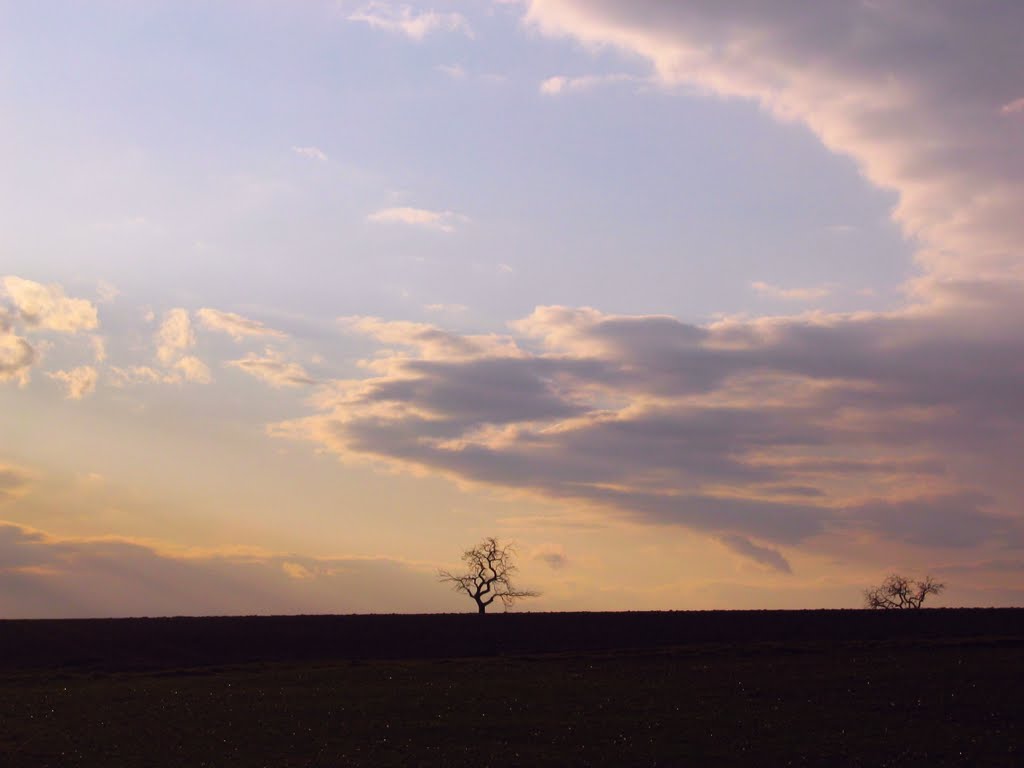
<point>482,608</point>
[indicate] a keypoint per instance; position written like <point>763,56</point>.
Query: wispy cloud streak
<point>405,20</point>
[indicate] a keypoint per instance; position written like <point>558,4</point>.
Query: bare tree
<point>900,592</point>
<point>488,575</point>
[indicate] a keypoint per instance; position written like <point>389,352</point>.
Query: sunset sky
<point>716,304</point>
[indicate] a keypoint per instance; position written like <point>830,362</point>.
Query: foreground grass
<point>939,703</point>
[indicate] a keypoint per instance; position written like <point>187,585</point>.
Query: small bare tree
<point>900,592</point>
<point>488,575</point>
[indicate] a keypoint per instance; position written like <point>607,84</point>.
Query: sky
<point>702,305</point>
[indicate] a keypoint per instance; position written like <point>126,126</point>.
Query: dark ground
<point>765,688</point>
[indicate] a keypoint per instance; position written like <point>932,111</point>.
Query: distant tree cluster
<point>488,575</point>
<point>898,592</point>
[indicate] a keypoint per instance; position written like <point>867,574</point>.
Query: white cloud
<point>274,370</point>
<point>99,348</point>
<point>443,221</point>
<point>193,370</point>
<point>453,71</point>
<point>405,20</point>
<point>429,341</point>
<point>174,336</point>
<point>234,325</point>
<point>106,292</point>
<point>311,153</point>
<point>450,309</point>
<point>174,339</point>
<point>458,72</point>
<point>881,90</point>
<point>137,374</point>
<point>79,382</point>
<point>559,84</point>
<point>17,357</point>
<point>297,571</point>
<point>791,294</point>
<point>46,307</point>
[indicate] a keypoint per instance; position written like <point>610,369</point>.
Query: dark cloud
<point>12,481</point>
<point>1001,565</point>
<point>478,391</point>
<point>950,521</point>
<point>763,446</point>
<point>551,555</point>
<point>771,558</point>
<point>45,577</point>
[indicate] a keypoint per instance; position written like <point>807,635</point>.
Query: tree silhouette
<point>898,592</point>
<point>488,575</point>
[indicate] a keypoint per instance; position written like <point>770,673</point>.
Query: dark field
<point>932,687</point>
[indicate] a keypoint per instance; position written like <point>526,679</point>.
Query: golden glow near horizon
<point>298,302</point>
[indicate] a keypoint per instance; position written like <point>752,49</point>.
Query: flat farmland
<point>930,687</point>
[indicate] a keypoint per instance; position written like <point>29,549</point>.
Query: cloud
<point>813,433</point>
<point>403,19</point>
<point>46,307</point>
<point>950,521</point>
<point>454,71</point>
<point>79,382</point>
<point>137,374</point>
<point>17,357</point>
<point>311,153</point>
<point>791,294</point>
<point>443,221</point>
<point>106,292</point>
<point>458,72</point>
<point>446,308</point>
<point>99,348</point>
<point>890,428</point>
<point>559,84</point>
<point>870,80</point>
<point>1013,107</point>
<point>552,555</point>
<point>429,341</point>
<point>766,556</point>
<point>14,482</point>
<point>174,336</point>
<point>763,430</point>
<point>236,326</point>
<point>193,369</point>
<point>274,370</point>
<point>297,571</point>
<point>45,576</point>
